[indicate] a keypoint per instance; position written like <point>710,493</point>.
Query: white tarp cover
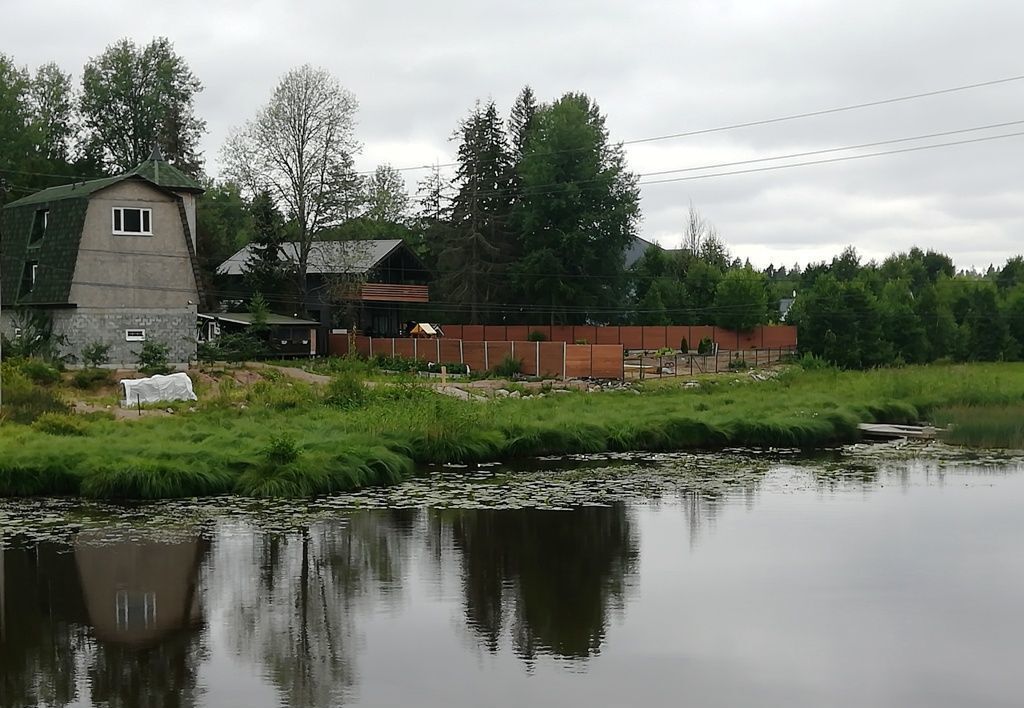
<point>157,389</point>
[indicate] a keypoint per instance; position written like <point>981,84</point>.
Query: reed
<point>1000,426</point>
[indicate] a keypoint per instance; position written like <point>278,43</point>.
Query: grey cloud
<point>655,67</point>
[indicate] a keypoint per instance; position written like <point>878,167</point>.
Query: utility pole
<point>4,188</point>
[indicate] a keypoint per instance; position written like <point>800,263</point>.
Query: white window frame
<point>135,335</point>
<point>35,272</point>
<point>143,212</point>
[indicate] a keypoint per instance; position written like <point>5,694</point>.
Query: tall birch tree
<point>299,149</point>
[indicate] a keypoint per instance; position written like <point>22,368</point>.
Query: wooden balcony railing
<point>386,292</point>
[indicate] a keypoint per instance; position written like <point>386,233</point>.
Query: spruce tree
<point>474,255</point>
<point>520,123</point>
<point>265,270</point>
<point>578,212</point>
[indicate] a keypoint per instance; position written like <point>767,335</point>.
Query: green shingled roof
<point>155,169</point>
<point>66,191</point>
<point>162,173</point>
<point>57,252</point>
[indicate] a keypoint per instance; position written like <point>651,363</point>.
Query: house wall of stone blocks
<point>175,328</point>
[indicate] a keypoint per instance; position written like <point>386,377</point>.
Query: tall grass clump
<point>983,426</point>
<point>508,368</point>
<point>60,424</point>
<point>137,478</point>
<point>345,390</point>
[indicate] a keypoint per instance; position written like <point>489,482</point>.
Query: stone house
<point>111,260</point>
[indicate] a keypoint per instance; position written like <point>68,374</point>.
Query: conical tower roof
<point>157,170</point>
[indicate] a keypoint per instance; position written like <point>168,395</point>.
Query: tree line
<point>129,99</point>
<point>532,224</point>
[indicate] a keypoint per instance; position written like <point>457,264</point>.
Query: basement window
<point>132,221</point>
<point>39,224</point>
<point>135,335</point>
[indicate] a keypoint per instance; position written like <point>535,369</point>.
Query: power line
<point>541,189</point>
<point>835,149</point>
<point>777,119</point>
<point>836,159</point>
<point>827,111</point>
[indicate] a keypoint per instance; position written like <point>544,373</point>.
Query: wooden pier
<point>890,432</point>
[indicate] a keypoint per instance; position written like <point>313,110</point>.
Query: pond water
<point>871,576</point>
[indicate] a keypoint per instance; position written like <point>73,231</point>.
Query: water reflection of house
<point>138,592</point>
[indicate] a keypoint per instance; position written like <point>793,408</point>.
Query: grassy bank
<point>283,438</point>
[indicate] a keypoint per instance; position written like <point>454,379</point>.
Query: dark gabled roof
<point>325,257</point>
<point>636,250</point>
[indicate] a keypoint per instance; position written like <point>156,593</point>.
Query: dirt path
<point>292,372</point>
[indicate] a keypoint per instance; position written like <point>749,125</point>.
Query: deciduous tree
<point>299,149</point>
<point>134,97</point>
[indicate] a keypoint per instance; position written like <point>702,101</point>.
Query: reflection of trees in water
<point>41,633</point>
<point>63,629</point>
<point>290,600</point>
<point>548,578</point>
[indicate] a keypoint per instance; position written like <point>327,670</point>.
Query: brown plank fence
<point>558,359</point>
<point>634,337</point>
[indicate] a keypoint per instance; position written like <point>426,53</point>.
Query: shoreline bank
<point>285,438</point>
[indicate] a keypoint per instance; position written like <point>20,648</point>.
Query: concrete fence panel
<point>606,361</point>
<point>607,335</point>
<point>495,333</point>
<point>561,333</point>
<point>577,360</point>
<point>552,358</point>
<point>528,354</point>
<point>517,333</point>
<point>631,337</point>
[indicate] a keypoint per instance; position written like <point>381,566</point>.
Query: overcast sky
<point>655,67</point>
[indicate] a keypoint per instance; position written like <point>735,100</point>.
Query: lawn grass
<point>225,446</point>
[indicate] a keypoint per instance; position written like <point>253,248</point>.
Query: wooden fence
<point>557,359</point>
<point>654,366</point>
<point>650,338</point>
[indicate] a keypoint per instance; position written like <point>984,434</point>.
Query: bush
<point>452,367</point>
<point>153,358</point>
<point>88,379</point>
<point>537,336</point>
<point>684,346</point>
<point>39,372</point>
<point>23,401</point>
<point>37,339</point>
<point>706,346</point>
<point>96,355</point>
<point>738,363</point>
<point>232,348</point>
<point>508,367</point>
<point>400,363</point>
<point>282,450</point>
<point>813,362</point>
<point>60,424</point>
<point>345,391</point>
